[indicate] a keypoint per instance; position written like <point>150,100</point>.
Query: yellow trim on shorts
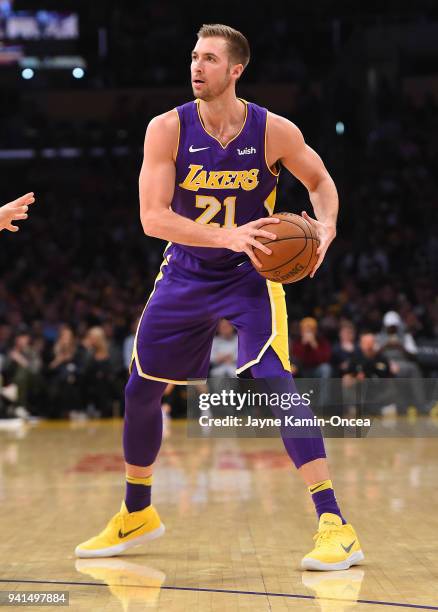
<point>135,357</point>
<point>280,344</point>
<point>279,336</point>
<point>199,381</point>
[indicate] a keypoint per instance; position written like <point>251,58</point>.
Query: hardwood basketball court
<point>238,522</point>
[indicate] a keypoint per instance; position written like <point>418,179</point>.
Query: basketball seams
<point>291,222</point>
<point>311,254</point>
<point>307,235</point>
<point>288,261</point>
<point>287,238</point>
<point>310,229</point>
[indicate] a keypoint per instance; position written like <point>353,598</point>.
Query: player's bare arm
<point>156,186</point>
<point>15,211</point>
<point>285,143</point>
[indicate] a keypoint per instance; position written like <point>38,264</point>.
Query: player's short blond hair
<point>238,45</point>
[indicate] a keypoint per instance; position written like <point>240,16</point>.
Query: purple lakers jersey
<point>222,185</point>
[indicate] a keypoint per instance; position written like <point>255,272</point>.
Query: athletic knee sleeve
<point>301,446</point>
<point>143,424</point>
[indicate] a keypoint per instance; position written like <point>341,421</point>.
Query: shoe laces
<point>325,535</point>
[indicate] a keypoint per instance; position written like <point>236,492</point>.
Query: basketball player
<point>15,211</point>
<point>207,184</point>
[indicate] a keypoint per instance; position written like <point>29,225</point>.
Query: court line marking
<point>228,591</point>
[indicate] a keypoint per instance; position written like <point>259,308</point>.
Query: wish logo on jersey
<point>198,178</point>
<point>247,151</point>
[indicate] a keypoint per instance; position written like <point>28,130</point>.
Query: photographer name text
<point>286,421</point>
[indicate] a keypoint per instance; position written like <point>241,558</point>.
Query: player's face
<point>211,71</point>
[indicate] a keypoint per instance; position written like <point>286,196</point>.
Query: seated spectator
<point>344,350</point>
<point>115,353</point>
<point>367,363</point>
<point>23,367</point>
<point>400,349</point>
<point>398,346</point>
<point>311,353</point>
<point>100,380</point>
<point>224,351</point>
<point>65,375</point>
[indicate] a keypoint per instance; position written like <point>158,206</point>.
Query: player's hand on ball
<point>15,211</point>
<point>244,238</point>
<point>326,234</point>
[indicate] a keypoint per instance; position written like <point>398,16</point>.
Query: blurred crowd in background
<point>74,280</point>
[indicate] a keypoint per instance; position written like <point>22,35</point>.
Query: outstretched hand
<point>326,234</point>
<point>15,211</point>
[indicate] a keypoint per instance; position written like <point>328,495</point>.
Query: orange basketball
<point>293,252</point>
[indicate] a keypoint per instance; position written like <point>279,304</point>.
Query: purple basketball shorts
<point>178,324</point>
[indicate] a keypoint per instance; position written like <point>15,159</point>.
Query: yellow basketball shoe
<point>125,530</point>
<point>336,546</point>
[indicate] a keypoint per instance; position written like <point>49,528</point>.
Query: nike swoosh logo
<point>192,150</point>
<point>348,548</point>
<point>316,488</point>
<point>125,535</point>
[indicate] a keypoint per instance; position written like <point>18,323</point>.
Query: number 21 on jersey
<point>212,207</point>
